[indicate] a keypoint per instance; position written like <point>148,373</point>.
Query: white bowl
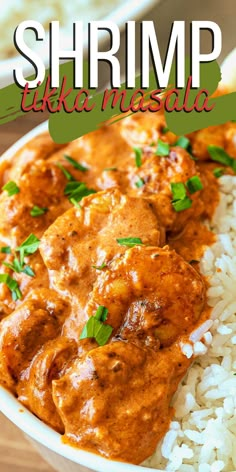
<point>62,456</point>
<point>128,10</point>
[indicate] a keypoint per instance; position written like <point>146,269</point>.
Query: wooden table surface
<point>16,453</point>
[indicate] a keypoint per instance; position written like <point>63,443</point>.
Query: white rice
<point>14,12</point>
<point>202,436</point>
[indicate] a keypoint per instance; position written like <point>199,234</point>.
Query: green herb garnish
<point>75,203</point>
<point>101,313</point>
<point>77,190</point>
<point>71,186</point>
<point>109,168</point>
<point>130,242</point>
<point>178,190</point>
<point>100,267</point>
<point>180,199</point>
<point>138,156</point>
<point>163,149</point>
<point>218,172</point>
<point>38,211</point>
<point>95,327</point>
<point>11,188</point>
<point>18,267</point>
<point>12,284</point>
<point>66,173</point>
<point>183,142</point>
<point>165,130</point>
<point>29,246</point>
<point>194,184</point>
<point>218,154</point>
<point>180,205</point>
<point>75,164</point>
<point>5,249</point>
<point>140,183</point>
<point>28,271</point>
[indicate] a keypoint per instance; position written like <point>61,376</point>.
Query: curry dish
<point>100,282</point>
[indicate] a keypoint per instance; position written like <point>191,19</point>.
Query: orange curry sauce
<point>113,399</point>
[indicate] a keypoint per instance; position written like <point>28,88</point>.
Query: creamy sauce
<point>112,399</point>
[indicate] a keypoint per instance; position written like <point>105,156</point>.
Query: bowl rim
<point>29,423</point>
<point>43,434</point>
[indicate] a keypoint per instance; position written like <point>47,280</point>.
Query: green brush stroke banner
<point>65,127</point>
